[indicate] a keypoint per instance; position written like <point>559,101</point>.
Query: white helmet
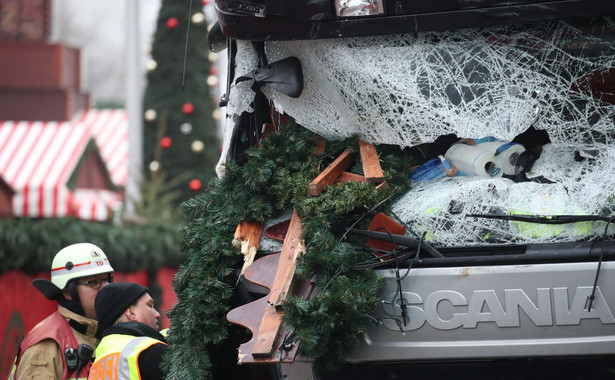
<point>75,261</point>
<point>78,260</point>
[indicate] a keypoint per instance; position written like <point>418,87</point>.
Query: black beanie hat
<point>113,299</point>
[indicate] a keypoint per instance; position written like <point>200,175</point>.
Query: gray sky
<point>98,27</point>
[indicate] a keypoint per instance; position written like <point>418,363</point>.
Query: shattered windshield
<point>548,87</point>
<point>408,89</point>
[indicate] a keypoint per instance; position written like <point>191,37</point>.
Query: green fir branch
<point>275,178</point>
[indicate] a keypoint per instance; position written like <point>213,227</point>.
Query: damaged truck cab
<point>520,282</point>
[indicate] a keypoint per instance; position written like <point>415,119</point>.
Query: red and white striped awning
<point>110,130</point>
<point>94,204</point>
<point>37,159</point>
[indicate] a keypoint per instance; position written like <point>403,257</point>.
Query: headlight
<point>356,8</point>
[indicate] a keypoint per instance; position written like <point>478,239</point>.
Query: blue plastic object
<point>431,169</point>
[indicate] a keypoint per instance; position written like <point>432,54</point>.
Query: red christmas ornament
<point>172,23</point>
<point>166,142</point>
<point>213,70</point>
<point>187,108</point>
<point>195,184</point>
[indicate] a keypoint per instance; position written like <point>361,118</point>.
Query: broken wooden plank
<point>262,273</point>
<point>371,163</point>
<point>382,186</point>
<point>265,341</point>
<point>350,177</point>
<point>248,234</point>
<point>292,248</point>
<point>330,174</point>
<point>266,338</point>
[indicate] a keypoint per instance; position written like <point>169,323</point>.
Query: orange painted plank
<point>265,342</point>
<point>371,163</point>
<point>382,222</point>
<point>330,174</point>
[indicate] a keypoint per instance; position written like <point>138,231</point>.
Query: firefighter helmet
<point>72,262</point>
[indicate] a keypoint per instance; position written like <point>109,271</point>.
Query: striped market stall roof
<point>94,204</point>
<point>37,160</point>
<point>110,130</point>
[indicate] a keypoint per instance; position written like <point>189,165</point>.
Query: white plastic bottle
<point>505,153</point>
<point>472,161</point>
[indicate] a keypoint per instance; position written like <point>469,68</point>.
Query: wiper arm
<point>546,219</point>
<point>406,241</point>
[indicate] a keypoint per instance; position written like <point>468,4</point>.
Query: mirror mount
<point>285,76</point>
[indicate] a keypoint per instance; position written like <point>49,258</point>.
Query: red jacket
<point>54,327</point>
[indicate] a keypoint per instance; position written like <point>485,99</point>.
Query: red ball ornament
<point>213,70</point>
<point>188,108</point>
<point>172,23</point>
<point>166,142</point>
<point>195,184</point>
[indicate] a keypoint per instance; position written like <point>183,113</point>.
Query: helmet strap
<point>74,304</point>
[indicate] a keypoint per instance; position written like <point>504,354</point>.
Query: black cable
<point>398,279</point>
<point>402,305</point>
<point>186,47</point>
<point>289,338</point>
<point>404,224</point>
<point>406,241</point>
<point>376,262</point>
<point>416,257</point>
<point>335,275</point>
<point>602,249</point>
<point>380,321</point>
<point>312,288</point>
<point>369,211</point>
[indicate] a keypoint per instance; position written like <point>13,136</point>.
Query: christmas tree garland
<point>275,177</point>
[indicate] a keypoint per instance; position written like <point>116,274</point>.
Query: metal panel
<point>493,312</point>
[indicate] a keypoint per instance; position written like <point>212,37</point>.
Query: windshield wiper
<point>546,219</point>
<point>561,219</point>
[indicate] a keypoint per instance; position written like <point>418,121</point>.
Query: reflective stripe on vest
<point>117,357</point>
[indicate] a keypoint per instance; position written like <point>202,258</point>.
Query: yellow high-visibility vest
<point>117,357</point>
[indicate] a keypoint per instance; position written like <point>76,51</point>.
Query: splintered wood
<point>263,317</point>
<point>291,249</point>
<point>248,234</point>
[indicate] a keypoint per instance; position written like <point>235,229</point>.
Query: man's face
<point>145,312</point>
<point>87,293</point>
